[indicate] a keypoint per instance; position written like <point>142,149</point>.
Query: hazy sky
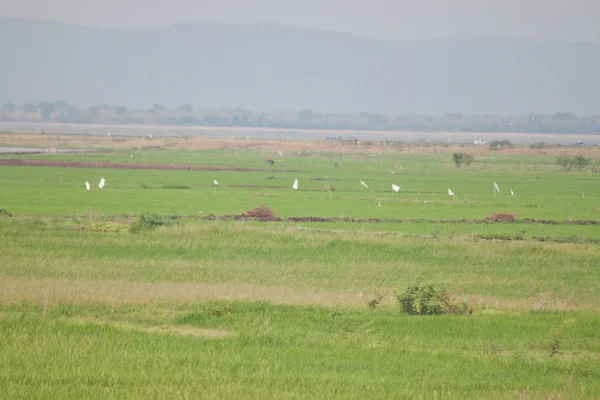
<point>388,19</point>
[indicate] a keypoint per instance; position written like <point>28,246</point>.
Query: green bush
<point>4,212</point>
<point>147,222</point>
<point>500,145</point>
<point>462,158</point>
<point>568,162</point>
<point>425,298</point>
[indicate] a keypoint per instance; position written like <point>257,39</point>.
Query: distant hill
<point>273,67</point>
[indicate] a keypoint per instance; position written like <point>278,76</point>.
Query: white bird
<point>496,188</point>
<point>101,184</point>
<point>511,192</point>
<point>364,184</point>
<point>215,182</point>
<point>451,193</point>
<point>295,185</point>
<point>87,185</point>
<point>379,204</point>
<point>395,188</point>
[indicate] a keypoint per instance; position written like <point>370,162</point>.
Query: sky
<point>577,20</point>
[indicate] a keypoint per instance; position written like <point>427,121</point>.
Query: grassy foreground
<point>250,350</point>
<point>93,305</point>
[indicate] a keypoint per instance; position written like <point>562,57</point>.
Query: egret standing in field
<point>87,185</point>
<point>496,188</point>
<point>451,193</point>
<point>215,182</point>
<point>295,185</point>
<point>101,184</point>
<point>395,188</point>
<point>511,192</point>
<point>363,184</point>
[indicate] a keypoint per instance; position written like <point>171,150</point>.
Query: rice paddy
<point>199,301</point>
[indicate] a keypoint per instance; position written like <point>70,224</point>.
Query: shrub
<point>4,213</point>
<point>422,298</point>
<point>147,221</point>
<point>375,301</point>
<point>568,162</point>
<point>541,145</point>
<point>500,145</point>
<point>462,158</point>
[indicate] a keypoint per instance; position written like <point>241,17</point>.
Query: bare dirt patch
<point>24,162</point>
<point>173,330</point>
<point>494,218</point>
<point>14,290</point>
<point>501,217</point>
<point>289,148</point>
<point>261,212</point>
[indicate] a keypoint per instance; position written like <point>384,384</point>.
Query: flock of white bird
<point>88,186</point>
<point>496,190</point>
<point>295,186</point>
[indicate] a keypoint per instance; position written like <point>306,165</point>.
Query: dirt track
<point>287,147</point>
<point>394,220</point>
<point>116,165</point>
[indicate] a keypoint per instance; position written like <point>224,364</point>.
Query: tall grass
<point>140,351</point>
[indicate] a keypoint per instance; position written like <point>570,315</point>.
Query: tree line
<point>186,115</point>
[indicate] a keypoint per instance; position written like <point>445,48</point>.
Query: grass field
<point>211,305</point>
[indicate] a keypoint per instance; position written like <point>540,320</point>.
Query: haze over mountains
<point>275,67</point>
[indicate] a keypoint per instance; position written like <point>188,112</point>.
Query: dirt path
<point>15,290</point>
<point>287,147</point>
<point>24,162</point>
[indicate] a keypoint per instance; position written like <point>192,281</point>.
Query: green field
<point>92,304</point>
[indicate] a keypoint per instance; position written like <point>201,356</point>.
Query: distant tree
<point>462,158</point>
<point>565,116</point>
<point>9,107</point>
<point>119,110</point>
<point>305,115</point>
<point>500,144</point>
<point>157,108</point>
<point>186,120</point>
<point>29,108</point>
<point>46,109</point>
<point>185,108</point>
<point>567,162</point>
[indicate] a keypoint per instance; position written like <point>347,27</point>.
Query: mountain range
<point>276,67</point>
